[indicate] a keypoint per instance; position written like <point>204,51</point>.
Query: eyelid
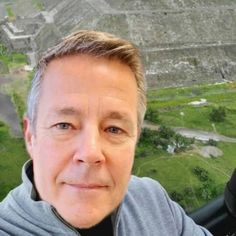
<point>120,130</point>
<point>70,126</point>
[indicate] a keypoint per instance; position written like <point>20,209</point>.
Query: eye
<point>63,126</point>
<point>114,130</point>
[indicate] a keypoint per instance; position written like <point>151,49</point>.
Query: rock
<point>210,151</point>
<point>182,42</point>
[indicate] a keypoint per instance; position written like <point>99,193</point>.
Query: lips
<point>88,186</point>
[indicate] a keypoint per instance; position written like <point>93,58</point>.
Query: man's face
<point>84,141</point>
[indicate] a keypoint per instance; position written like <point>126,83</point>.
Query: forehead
<point>71,79</point>
<point>84,70</point>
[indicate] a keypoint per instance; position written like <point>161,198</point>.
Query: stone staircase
<point>182,42</point>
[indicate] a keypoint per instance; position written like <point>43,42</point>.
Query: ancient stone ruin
<point>182,42</point>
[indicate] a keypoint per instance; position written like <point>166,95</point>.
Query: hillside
<point>182,42</point>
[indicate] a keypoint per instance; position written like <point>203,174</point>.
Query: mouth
<point>87,187</point>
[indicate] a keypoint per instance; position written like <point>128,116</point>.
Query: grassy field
<point>12,157</point>
<point>173,102</point>
<point>175,171</point>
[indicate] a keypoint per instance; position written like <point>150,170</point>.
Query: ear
<point>28,135</point>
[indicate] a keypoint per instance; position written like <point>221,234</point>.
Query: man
<point>85,112</point>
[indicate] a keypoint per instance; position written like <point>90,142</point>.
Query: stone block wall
<point>182,42</point>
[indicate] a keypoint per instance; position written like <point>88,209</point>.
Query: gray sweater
<point>145,211</point>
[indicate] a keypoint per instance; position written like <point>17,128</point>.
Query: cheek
<point>120,164</point>
<point>49,157</point>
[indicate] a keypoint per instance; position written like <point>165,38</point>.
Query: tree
<point>181,143</point>
<point>166,132</point>
<point>152,115</point>
<point>218,114</point>
<point>201,173</point>
<point>164,138</point>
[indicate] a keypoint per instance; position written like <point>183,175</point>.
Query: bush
<point>141,154</point>
<point>208,190</point>
<point>148,136</point>
<point>152,115</point>
<point>176,196</point>
<point>164,138</point>
<point>212,142</point>
<point>166,132</point>
<point>189,192</point>
<point>202,174</point>
<point>3,50</point>
<point>181,143</point>
<point>218,114</point>
<point>19,104</point>
<point>168,138</point>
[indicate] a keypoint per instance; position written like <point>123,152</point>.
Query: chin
<point>84,223</point>
<point>84,219</point>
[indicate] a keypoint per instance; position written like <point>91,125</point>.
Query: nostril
<point>98,162</point>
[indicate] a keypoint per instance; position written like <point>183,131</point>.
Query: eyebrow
<point>114,115</point>
<point>67,111</point>
<point>117,115</point>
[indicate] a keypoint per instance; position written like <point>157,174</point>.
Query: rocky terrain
<point>183,42</point>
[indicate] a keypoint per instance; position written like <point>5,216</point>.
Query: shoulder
<point>9,216</point>
<point>147,203</point>
<point>143,182</point>
<point>144,186</point>
<point>150,195</point>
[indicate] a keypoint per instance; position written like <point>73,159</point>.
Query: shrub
<point>152,115</point>
<point>19,104</point>
<point>166,132</point>
<point>176,196</point>
<point>189,192</point>
<point>202,174</point>
<point>212,142</point>
<point>218,114</point>
<point>208,190</point>
<point>164,138</point>
<point>148,136</point>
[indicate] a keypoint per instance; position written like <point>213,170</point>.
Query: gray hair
<point>97,44</point>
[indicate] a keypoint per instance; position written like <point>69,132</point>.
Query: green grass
<point>12,157</point>
<point>39,5</point>
<point>10,12</point>
<point>11,59</point>
<point>19,104</point>
<point>174,171</point>
<point>172,102</point>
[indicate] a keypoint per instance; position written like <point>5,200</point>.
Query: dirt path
<point>197,134</point>
<point>7,112</point>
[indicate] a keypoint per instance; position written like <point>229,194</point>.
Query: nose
<point>89,146</point>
